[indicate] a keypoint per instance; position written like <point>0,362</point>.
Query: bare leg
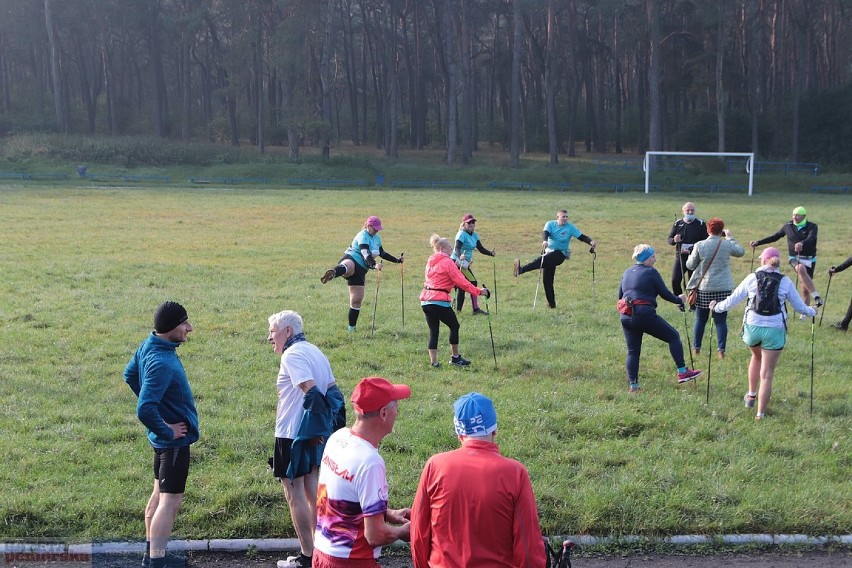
<point>454,349</point>
<point>807,283</point>
<point>433,356</point>
<point>754,368</point>
<point>767,371</point>
<point>302,503</point>
<point>163,522</point>
<point>151,508</point>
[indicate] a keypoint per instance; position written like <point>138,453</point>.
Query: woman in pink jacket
<point>442,276</point>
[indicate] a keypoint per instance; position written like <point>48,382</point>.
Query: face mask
<point>802,224</point>
<point>689,217</point>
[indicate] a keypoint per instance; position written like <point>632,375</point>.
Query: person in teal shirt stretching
<point>556,248</point>
<point>467,239</point>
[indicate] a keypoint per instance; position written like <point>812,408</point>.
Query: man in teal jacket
<point>167,409</point>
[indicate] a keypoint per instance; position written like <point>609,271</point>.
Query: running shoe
<point>634,388</point>
<point>459,361</point>
<point>480,312</point>
<point>299,561</point>
<point>749,399</point>
<point>688,375</point>
<point>329,274</point>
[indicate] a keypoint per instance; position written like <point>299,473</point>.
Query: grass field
<point>84,268</point>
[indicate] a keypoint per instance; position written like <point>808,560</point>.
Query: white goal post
<point>749,163</point>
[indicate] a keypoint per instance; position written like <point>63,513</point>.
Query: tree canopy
<point>557,76</point>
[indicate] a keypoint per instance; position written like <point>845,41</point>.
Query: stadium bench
<point>127,178</point>
<point>787,168</point>
<point>429,184</point>
<point>830,188</point>
<point>711,188</point>
<point>619,187</point>
<point>227,180</point>
<point>327,182</point>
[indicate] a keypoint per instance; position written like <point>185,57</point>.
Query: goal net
<point>700,171</point>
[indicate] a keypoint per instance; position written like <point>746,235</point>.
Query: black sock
<point>339,270</point>
<point>353,316</point>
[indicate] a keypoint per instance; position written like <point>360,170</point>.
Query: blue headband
<point>645,254</point>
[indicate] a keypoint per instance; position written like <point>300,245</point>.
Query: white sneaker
<point>293,562</point>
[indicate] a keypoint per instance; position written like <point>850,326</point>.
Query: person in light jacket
<point>442,275</point>
<point>765,335</point>
<point>716,283</point>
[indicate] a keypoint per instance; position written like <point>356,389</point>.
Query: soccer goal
<point>676,162</point>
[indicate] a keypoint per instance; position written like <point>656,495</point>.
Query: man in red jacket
<point>474,507</point>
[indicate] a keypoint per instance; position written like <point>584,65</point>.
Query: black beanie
<point>168,316</point>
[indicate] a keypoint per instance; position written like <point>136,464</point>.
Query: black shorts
<point>281,457</point>
<point>171,468</point>
<point>359,276</point>
<point>809,269</point>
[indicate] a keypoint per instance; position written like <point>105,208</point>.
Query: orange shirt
<point>475,508</point>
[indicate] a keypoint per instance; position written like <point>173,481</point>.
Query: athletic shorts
<point>323,560</point>
<point>359,277</point>
<point>281,457</point>
<point>171,468</point>
<point>769,338</point>
<point>808,260</point>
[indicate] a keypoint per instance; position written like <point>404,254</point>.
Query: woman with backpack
<point>710,260</point>
<point>764,323</point>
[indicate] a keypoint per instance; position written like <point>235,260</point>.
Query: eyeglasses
<point>471,222</point>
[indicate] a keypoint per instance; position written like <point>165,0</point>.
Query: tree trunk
<point>515,97</point>
<point>550,98</point>
<point>61,123</point>
<point>155,47</point>
<point>351,70</point>
<point>452,84</point>
<point>325,78</point>
<point>466,83</point>
<point>753,71</point>
<point>655,137</point>
<point>720,87</point>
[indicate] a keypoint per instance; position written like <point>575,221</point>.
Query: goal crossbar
<point>748,155</point>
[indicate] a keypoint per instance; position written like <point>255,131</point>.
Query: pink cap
<point>468,218</point>
<point>374,222</point>
<point>770,252</point>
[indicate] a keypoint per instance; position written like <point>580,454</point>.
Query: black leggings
<point>435,315</point>
<point>551,260</point>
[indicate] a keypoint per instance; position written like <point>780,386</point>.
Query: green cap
<point>800,211</point>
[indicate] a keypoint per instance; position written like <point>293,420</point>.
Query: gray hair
<point>286,318</point>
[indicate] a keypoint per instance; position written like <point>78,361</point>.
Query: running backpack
<point>766,302</point>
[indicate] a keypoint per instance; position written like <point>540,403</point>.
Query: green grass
<point>84,268</point>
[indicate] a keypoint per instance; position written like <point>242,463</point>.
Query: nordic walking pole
<point>751,268</point>
<point>540,272</point>
<point>490,331</point>
<point>594,289</point>
<point>813,321</point>
<point>709,360</point>
<point>797,273</point>
<point>682,308</point>
<point>494,269</point>
<point>685,322</point>
<point>825,300</point>
<point>376,303</point>
<point>402,283</point>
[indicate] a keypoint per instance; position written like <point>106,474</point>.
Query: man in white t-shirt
<point>353,519</point>
<point>310,408</point>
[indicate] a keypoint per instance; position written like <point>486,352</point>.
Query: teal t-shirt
<point>468,242</point>
<point>374,243</point>
<point>560,236</point>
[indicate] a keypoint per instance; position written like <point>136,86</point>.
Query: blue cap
<point>474,415</point>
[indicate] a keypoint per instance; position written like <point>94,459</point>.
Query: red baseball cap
<point>468,218</point>
<point>374,393</point>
